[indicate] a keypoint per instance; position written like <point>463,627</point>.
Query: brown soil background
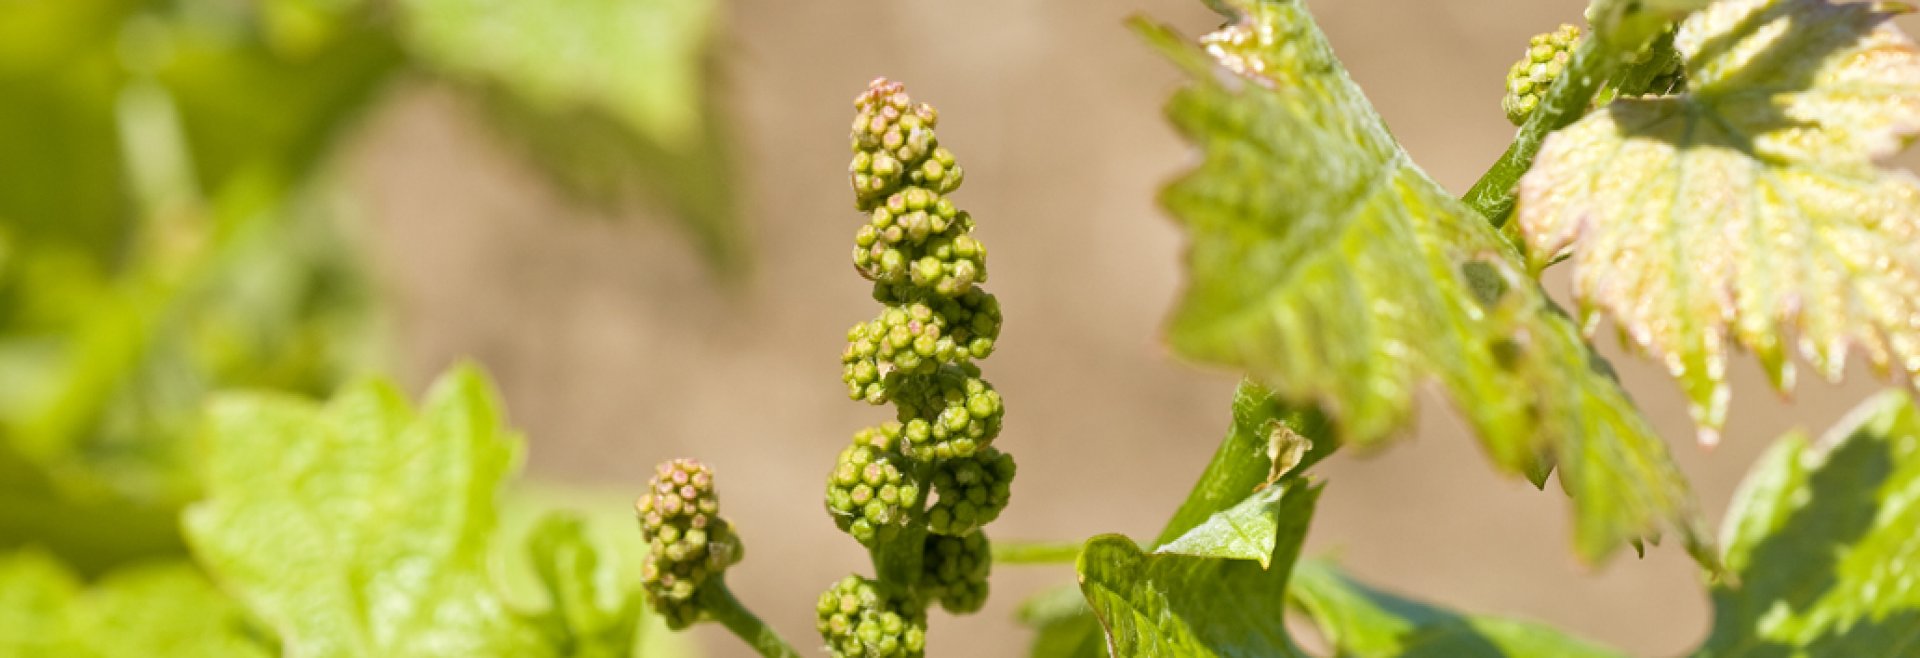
<point>615,349</point>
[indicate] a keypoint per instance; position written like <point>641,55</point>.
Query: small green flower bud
<point>938,411</point>
<point>970,492</point>
<point>955,571</point>
<point>861,618</point>
<point>855,489</point>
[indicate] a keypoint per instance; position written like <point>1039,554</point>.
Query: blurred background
<point>634,213</point>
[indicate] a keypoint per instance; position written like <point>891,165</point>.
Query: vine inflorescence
<point>1654,68</point>
<point>915,491</point>
<point>1528,79</point>
<point>689,543</point>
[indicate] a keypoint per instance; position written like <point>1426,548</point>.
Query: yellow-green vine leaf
<point>362,528</point>
<point>1325,264</point>
<point>1190,602</point>
<point>1362,622</point>
<point>1822,545</point>
<point>1748,208</point>
<point>159,609</point>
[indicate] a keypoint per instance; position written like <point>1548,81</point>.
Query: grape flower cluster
<point>689,543</point>
<point>1548,55</point>
<point>923,484</point>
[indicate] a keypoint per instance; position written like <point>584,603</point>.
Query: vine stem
<point>1036,552</point>
<point>1493,195</point>
<point>719,602</point>
<point>1594,63</point>
<point>898,554</point>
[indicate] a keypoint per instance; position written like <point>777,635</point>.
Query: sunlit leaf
<point>1246,531</point>
<point>1328,266</point>
<point>1748,208</point>
<point>1361,622</point>
<point>388,514</point>
<point>1821,543</point>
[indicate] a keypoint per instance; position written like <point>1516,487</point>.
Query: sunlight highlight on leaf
<point>388,514</point>
<point>1749,207</point>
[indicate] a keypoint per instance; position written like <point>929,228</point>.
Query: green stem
<point>1036,552</point>
<point>719,602</point>
<point>1568,98</point>
<point>898,553</point>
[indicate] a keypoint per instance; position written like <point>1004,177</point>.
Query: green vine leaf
<point>1748,207</point>
<point>1240,466</point>
<point>1821,546</point>
<point>1247,531</point>
<point>1362,622</point>
<point>1327,265</point>
<point>160,609</point>
<point>388,514</point>
<point>1203,603</point>
<point>1063,625</point>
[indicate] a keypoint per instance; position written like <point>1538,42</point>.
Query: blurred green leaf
<point>225,272</point>
<point>1328,266</point>
<point>90,526</point>
<point>165,609</point>
<point>609,97</point>
<point>596,526</point>
<point>258,118</point>
<point>1822,543</point>
<point>588,615</point>
<point>1629,24</point>
<point>1362,622</point>
<point>637,60</point>
<point>1202,604</point>
<point>107,394</point>
<point>65,185</point>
